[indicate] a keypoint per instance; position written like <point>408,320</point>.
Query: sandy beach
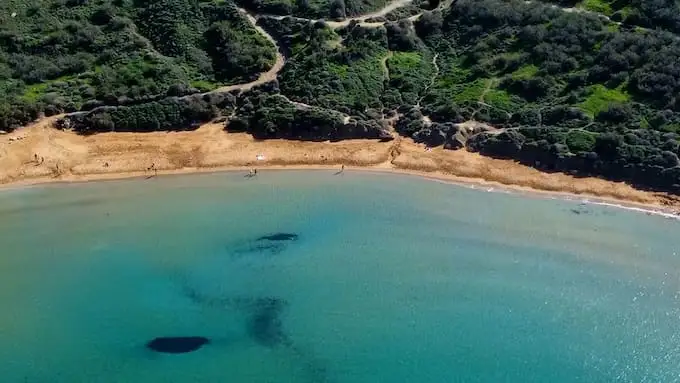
<point>41,154</point>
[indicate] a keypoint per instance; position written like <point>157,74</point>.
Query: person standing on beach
<point>152,167</point>
<point>341,171</point>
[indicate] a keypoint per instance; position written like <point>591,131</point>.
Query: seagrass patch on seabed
<point>270,244</point>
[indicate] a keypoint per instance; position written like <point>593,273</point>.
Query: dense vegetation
<point>62,55</point>
<point>341,71</point>
<point>663,14</point>
<point>566,91</point>
<point>574,92</point>
<point>316,9</point>
<point>261,112</point>
<point>266,115</point>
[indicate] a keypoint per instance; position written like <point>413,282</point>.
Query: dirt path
<point>280,61</point>
<point>389,7</point>
<point>265,77</point>
<point>272,73</point>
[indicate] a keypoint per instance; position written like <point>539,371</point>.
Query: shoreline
<point>478,184</point>
<point>71,158</point>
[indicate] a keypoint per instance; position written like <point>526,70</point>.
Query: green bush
<point>580,141</point>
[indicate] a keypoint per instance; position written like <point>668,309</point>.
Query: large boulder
<point>459,134</point>
<point>456,141</point>
<point>430,136</point>
<point>506,144</point>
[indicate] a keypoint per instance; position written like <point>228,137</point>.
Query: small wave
<point>582,201</point>
<point>660,213</point>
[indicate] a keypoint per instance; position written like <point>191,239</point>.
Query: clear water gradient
<point>392,279</point>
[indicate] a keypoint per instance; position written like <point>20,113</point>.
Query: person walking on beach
<point>155,171</point>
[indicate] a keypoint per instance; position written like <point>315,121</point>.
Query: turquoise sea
<point>390,279</point>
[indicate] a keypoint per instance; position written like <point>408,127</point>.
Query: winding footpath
<point>272,73</point>
<point>264,77</point>
<point>280,60</point>
<point>361,20</point>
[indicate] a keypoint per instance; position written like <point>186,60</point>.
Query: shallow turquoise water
<point>392,279</point>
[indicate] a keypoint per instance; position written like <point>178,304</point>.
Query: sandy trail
<point>71,157</point>
<point>280,61</point>
<point>389,7</point>
<point>265,77</point>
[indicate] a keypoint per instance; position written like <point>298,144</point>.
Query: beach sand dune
<point>39,153</point>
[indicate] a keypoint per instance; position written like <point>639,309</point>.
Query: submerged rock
<point>177,344</point>
<point>279,237</point>
<point>272,244</point>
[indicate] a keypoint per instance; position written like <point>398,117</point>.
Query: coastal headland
<point>40,153</point>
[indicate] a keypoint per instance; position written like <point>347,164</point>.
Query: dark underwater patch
<point>271,247</point>
<point>271,244</point>
<point>279,237</point>
<point>177,344</point>
<point>264,325</point>
<point>581,209</point>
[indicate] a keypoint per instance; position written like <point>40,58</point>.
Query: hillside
<point>62,55</point>
<point>586,88</point>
